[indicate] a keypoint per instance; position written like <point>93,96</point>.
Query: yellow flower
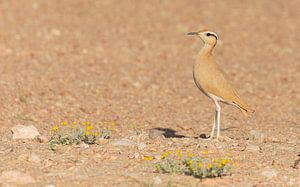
<point>113,125</point>
<point>90,127</point>
<point>55,128</point>
<point>200,164</point>
<point>235,164</point>
<point>96,134</point>
<point>74,123</point>
<point>86,123</point>
<point>209,166</point>
<point>87,133</point>
<point>219,165</point>
<point>167,153</point>
<point>191,162</point>
<point>148,158</point>
<point>190,155</point>
<point>205,152</point>
<point>64,123</point>
<point>224,161</point>
<point>215,160</point>
<point>179,153</point>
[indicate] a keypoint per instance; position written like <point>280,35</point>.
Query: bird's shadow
<point>169,133</point>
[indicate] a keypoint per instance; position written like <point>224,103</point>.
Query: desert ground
<point>131,62</point>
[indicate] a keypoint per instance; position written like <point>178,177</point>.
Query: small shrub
<point>75,133</point>
<point>193,165</point>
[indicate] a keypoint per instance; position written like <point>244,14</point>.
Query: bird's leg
<point>217,117</point>
<point>213,129</point>
<point>216,120</point>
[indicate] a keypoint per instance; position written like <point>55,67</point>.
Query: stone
<point>16,177</point>
<point>55,32</point>
<point>41,139</point>
<point>156,134</point>
<point>257,136</point>
<point>50,185</point>
<point>24,132</point>
<point>269,173</point>
<point>157,180</point>
<point>141,146</point>
<point>33,157</point>
<point>252,148</point>
<point>122,142</point>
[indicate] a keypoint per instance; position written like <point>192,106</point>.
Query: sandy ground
<point>131,61</point>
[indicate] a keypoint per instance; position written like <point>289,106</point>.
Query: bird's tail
<point>245,108</point>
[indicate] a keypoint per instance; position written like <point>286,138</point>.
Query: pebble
<point>41,139</point>
<point>122,142</point>
<point>253,148</point>
<point>157,180</point>
<point>156,134</point>
<point>141,146</point>
<point>34,158</point>
<point>257,136</point>
<point>269,172</point>
<point>55,32</point>
<point>50,185</point>
<point>24,132</point>
<point>16,177</point>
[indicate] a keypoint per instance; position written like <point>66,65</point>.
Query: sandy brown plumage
<point>213,81</point>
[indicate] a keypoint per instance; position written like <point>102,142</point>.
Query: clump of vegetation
<point>75,132</point>
<point>194,165</point>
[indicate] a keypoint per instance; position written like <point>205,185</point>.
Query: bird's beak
<point>192,33</point>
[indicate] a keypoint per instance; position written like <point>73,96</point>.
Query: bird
<point>213,81</point>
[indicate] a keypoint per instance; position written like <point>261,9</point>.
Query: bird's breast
<point>200,76</point>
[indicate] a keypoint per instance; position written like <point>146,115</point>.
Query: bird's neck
<point>206,51</point>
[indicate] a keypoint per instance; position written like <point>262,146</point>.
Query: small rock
<point>41,139</point>
<point>55,32</point>
<point>50,185</point>
<point>84,145</point>
<point>141,146</point>
<point>253,148</point>
<point>156,134</point>
<point>34,158</point>
<point>24,132</point>
<point>257,136</point>
<point>270,173</point>
<point>137,84</point>
<point>134,156</point>
<point>123,142</point>
<point>274,140</point>
<point>16,177</point>
<point>157,180</point>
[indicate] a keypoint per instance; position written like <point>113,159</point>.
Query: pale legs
<point>216,120</point>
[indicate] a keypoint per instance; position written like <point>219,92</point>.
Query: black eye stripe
<point>210,34</point>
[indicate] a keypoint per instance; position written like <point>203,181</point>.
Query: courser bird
<point>213,81</point>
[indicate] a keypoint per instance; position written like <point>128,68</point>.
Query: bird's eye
<point>208,34</point>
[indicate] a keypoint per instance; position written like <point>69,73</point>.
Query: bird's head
<point>208,37</point>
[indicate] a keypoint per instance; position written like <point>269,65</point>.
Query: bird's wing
<point>218,84</point>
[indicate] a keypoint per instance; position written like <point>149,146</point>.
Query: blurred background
<point>130,62</point>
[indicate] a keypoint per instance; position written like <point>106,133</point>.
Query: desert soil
<point>131,62</point>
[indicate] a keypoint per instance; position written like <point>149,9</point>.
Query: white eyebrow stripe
<point>213,33</point>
